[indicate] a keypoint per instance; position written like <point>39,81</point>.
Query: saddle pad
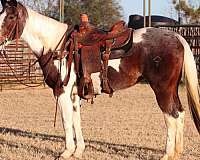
<point>91,59</point>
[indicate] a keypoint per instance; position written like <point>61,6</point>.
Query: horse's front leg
<point>80,145</point>
<point>66,106</point>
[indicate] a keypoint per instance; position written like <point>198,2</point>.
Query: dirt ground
<point>129,126</point>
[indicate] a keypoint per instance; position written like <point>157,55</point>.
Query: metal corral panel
<point>17,65</point>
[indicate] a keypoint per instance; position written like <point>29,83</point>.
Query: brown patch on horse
<point>51,73</point>
<point>14,21</point>
<point>158,58</point>
<point>130,70</point>
<point>163,66</point>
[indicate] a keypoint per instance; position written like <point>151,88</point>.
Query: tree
<point>44,7</point>
<point>189,12</point>
<point>102,13</point>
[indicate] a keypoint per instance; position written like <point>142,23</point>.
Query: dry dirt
<point>129,126</point>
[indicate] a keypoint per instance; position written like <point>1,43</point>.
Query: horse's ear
<point>3,3</point>
<point>8,3</point>
<point>12,3</point>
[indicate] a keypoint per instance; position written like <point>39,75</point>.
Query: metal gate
<point>17,66</point>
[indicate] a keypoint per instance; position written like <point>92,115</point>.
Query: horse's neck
<point>42,32</point>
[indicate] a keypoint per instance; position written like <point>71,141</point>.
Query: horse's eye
<point>11,17</point>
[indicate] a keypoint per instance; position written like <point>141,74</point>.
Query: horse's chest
<point>51,73</point>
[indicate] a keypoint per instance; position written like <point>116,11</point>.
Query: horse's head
<point>12,20</point>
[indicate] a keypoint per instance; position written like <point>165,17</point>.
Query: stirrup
<point>85,89</point>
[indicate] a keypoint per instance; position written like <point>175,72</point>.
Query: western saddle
<point>93,48</point>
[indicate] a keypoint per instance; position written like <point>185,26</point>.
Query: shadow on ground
<point>122,150</point>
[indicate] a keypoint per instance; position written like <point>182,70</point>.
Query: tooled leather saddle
<point>93,48</point>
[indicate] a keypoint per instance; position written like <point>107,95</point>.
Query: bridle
<point>13,33</point>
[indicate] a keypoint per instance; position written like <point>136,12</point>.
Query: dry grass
<point>128,126</point>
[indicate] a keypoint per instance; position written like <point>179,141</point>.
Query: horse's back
<point>155,37</point>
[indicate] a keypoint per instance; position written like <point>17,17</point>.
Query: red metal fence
<point>192,34</point>
<point>17,66</point>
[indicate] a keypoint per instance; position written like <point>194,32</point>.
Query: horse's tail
<point>191,81</point>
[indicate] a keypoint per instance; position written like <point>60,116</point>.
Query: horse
<point>161,57</point>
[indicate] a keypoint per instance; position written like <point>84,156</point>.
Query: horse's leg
<point>169,103</point>
<point>171,137</point>
<point>175,126</point>
<point>80,145</point>
<point>179,134</point>
<point>65,103</point>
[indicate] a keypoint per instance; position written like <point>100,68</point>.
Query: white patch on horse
<point>171,124</point>
<point>96,82</point>
<point>60,67</point>
<point>114,63</point>
<point>64,70</point>
<point>41,31</point>
<point>179,132</point>
<point>137,35</point>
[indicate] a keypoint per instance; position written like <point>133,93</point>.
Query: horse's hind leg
<point>174,146</point>
<point>80,145</point>
<point>169,103</point>
<point>179,134</point>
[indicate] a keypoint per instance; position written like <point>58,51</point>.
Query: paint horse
<point>159,56</point>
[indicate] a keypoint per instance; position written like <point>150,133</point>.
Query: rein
<point>69,62</point>
<point>4,56</point>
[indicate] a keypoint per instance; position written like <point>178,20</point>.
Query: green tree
<point>102,13</point>
<point>190,13</point>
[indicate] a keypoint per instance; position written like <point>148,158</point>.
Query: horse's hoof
<point>166,157</point>
<point>79,153</point>
<point>65,155</point>
<point>176,156</point>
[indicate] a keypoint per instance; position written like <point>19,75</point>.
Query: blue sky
<point>159,7</point>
